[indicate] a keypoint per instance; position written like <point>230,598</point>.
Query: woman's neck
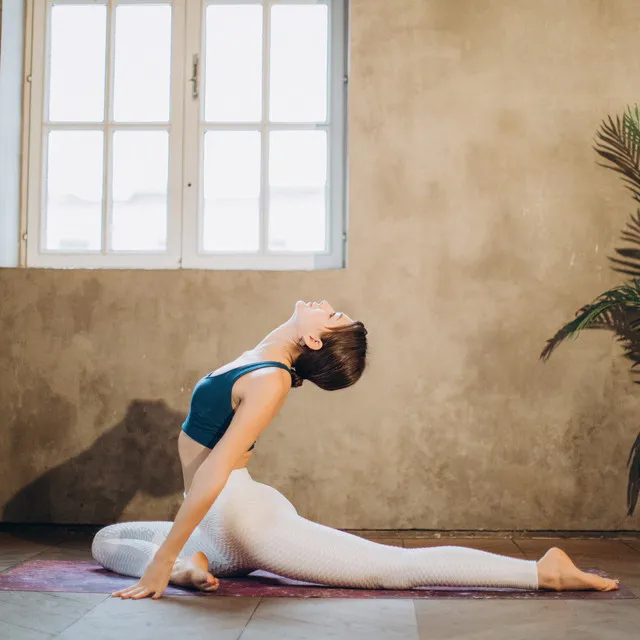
<point>280,345</point>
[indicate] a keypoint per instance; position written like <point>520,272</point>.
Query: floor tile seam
<point>31,557</point>
<point>343,622</point>
<point>11,566</point>
<point>59,594</point>
<point>44,633</point>
<point>416,620</point>
<point>298,619</point>
<point>522,551</point>
<point>86,613</point>
<point>250,617</point>
<point>21,626</point>
<point>630,547</point>
<point>47,549</point>
<point>55,614</point>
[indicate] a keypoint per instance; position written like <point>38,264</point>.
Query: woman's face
<point>312,319</point>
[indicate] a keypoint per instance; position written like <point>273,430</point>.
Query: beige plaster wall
<point>479,222</point>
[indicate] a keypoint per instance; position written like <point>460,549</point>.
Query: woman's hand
<point>153,582</point>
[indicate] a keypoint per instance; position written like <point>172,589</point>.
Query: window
<point>185,133</point>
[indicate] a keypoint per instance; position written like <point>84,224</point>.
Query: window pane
<point>73,204</point>
<point>298,89</point>
<point>297,183</point>
<point>140,175</point>
<point>77,63</point>
<point>233,88</point>
<point>231,191</point>
<point>142,63</point>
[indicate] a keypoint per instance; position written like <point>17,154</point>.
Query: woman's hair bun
<point>296,380</point>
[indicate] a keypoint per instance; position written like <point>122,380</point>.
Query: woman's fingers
<point>136,592</point>
<point>128,592</point>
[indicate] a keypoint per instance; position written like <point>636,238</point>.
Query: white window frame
<point>36,255</point>
<point>11,74</point>
<point>184,240</point>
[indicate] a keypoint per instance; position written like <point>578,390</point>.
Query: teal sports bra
<point>211,411</point>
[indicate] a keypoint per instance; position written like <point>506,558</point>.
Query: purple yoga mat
<point>86,576</point>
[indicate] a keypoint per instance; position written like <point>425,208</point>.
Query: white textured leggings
<point>252,526</point>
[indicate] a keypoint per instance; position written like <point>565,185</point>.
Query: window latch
<point>194,76</point>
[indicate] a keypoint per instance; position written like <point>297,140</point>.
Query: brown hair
<point>340,361</point>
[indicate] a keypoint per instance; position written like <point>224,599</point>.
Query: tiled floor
<point>75,616</point>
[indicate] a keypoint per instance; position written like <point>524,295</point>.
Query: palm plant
<point>618,310</point>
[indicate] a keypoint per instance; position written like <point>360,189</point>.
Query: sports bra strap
<point>247,368</point>
<point>237,372</point>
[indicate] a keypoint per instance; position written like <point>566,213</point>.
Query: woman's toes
<point>207,582</point>
<point>212,583</point>
<point>613,585</point>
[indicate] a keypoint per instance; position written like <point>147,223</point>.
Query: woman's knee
<point>105,538</point>
<point>117,530</point>
<point>98,544</point>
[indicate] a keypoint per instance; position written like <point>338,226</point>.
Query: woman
<point>231,525</point>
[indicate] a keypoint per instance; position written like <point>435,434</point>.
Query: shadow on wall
<point>140,453</point>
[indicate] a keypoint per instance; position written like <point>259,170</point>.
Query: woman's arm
<point>264,397</point>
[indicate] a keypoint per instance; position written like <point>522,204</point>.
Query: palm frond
<point>625,324</point>
<point>618,310</point>
<point>633,486</point>
<point>629,260</point>
<point>618,142</point>
<point>631,120</point>
<point>614,309</point>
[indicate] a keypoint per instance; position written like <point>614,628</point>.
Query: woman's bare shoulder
<point>262,384</point>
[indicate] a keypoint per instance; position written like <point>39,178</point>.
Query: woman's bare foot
<point>558,573</point>
<point>194,572</point>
